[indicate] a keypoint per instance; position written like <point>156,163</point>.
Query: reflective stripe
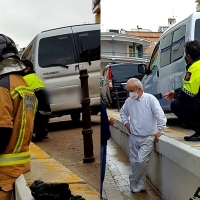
<point>20,89</point>
<point>44,113</point>
<point>14,158</point>
<point>38,89</point>
<point>22,131</point>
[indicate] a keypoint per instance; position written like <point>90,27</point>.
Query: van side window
<point>178,42</point>
<point>154,57</point>
<point>88,45</point>
<point>166,50</point>
<point>197,30</point>
<point>56,50</point>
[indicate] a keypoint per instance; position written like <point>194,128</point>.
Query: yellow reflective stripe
<point>13,159</point>
<point>19,89</point>
<point>22,131</point>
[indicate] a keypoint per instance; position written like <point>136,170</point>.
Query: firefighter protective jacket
<point>18,105</point>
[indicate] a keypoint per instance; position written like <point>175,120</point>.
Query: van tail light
<point>110,78</point>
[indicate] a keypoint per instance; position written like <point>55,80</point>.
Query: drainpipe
<point>113,45</point>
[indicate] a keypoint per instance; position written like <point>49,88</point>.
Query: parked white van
<point>58,55</point>
<point>167,65</point>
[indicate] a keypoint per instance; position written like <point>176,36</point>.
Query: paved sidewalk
<point>47,169</point>
<point>116,184</point>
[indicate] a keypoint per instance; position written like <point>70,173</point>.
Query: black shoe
<point>194,137</point>
<point>36,139</point>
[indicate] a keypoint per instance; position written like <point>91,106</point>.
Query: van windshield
<point>197,30</point>
<point>56,49</point>
<point>125,72</point>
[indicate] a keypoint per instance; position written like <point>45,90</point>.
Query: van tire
<point>95,110</point>
<point>75,116</point>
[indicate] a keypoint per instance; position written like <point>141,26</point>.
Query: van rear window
<point>56,49</point>
<point>125,72</point>
<point>197,30</point>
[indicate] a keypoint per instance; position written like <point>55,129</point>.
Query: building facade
<point>147,35</point>
<point>117,47</point>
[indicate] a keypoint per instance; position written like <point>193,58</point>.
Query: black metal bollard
<point>86,117</point>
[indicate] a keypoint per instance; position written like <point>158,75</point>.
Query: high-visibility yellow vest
<point>191,82</point>
<point>29,103</point>
<point>34,82</point>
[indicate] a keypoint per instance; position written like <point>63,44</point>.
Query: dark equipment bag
<point>52,191</point>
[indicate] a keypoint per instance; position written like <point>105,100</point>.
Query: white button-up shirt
<point>146,115</point>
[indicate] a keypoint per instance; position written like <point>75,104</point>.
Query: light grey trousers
<point>140,148</point>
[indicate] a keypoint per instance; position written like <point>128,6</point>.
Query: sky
<point>22,20</point>
<point>147,14</point>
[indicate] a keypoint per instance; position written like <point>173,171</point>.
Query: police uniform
<point>186,105</point>
<point>17,110</point>
<point>44,111</point>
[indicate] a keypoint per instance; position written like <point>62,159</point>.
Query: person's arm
<point>6,120</point>
<point>159,115</point>
<point>124,114</point>
<point>5,135</point>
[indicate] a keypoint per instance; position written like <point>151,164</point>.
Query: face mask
<point>133,95</point>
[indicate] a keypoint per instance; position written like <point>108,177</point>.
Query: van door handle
<point>158,73</point>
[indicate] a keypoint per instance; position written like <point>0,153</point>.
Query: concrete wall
<point>174,167</point>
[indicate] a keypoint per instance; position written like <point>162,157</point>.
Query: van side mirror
<point>141,68</point>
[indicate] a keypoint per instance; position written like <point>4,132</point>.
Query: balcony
<point>118,57</point>
<point>96,6</point>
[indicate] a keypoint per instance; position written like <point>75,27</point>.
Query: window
<point>130,51</point>
<point>154,57</point>
<point>197,30</point>
<point>88,45</point>
<point>124,72</point>
<point>56,50</point>
<point>165,50</point>
<point>178,42</point>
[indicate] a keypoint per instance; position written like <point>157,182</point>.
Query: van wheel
<point>75,116</point>
<point>95,110</point>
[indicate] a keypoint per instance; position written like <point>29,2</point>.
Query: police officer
<point>18,105</point>
<point>186,103</point>
<point>44,111</point>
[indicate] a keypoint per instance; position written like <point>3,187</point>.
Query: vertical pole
<point>86,117</point>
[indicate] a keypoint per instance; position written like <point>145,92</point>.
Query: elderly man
<point>146,124</point>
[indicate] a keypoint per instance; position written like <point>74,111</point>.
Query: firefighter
<point>186,103</point>
<point>44,111</point>
<point>18,106</point>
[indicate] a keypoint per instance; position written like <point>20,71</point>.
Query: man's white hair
<point>136,82</point>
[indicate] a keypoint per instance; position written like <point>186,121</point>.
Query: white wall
<point>174,167</point>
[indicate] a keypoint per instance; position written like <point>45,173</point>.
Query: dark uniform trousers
<point>188,113</point>
<point>41,125</point>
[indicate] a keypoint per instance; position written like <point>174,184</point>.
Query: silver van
<point>167,66</point>
<point>58,55</point>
